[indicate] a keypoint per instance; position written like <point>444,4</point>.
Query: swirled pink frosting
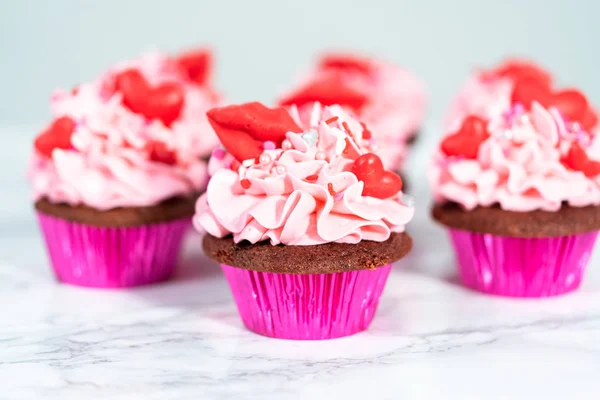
<point>108,165</point>
<point>282,206</point>
<point>395,108</point>
<point>519,166</point>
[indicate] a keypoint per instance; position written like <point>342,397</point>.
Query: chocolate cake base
<point>318,259</point>
<point>168,210</point>
<point>533,224</point>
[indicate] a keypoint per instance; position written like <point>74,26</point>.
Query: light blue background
<point>261,44</point>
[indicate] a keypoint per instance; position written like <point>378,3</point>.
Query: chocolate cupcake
<point>389,99</point>
<point>115,176</point>
<point>520,191</point>
<point>304,220</point>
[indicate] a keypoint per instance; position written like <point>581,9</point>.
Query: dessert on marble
<point>388,98</point>
<point>116,173</point>
<point>520,192</point>
<point>489,93</point>
<point>303,218</point>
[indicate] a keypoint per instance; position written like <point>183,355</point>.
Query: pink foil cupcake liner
<point>112,257</point>
<point>306,307</point>
<point>521,267</point>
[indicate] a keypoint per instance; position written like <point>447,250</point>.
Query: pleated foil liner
<point>112,257</point>
<point>521,267</point>
<point>309,306</point>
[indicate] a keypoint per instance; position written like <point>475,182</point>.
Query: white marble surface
<point>431,339</point>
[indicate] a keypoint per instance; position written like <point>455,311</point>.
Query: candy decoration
<point>518,70</point>
<point>196,65</point>
<point>159,152</point>
<point>246,183</point>
<point>329,90</point>
<point>378,182</point>
<point>346,62</point>
<point>578,160</point>
<point>243,129</point>
<point>163,102</point>
<point>56,136</point>
<point>466,142</point>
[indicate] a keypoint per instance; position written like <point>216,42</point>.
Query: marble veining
<point>431,338</point>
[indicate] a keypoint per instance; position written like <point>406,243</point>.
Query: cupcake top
<point>390,99</point>
<point>529,158</point>
<point>489,93</point>
<point>298,181</point>
<point>136,136</point>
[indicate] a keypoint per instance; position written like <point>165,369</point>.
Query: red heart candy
<point>56,136</point>
<point>243,129</point>
<point>578,160</point>
<point>328,90</point>
<point>526,91</point>
<point>196,65</point>
<point>466,141</point>
<point>519,70</point>
<point>158,151</point>
<point>163,102</point>
<point>346,62</point>
<point>378,182</point>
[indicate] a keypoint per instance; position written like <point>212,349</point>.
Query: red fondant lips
<point>570,102</point>
<point>328,90</point>
<point>196,65</point>
<point>243,129</point>
<point>467,140</point>
<point>346,62</point>
<point>378,182</point>
<point>578,160</point>
<point>163,102</point>
<point>56,136</point>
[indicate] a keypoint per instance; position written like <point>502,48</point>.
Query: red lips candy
<point>163,102</point>
<point>243,129</point>
<point>56,136</point>
<point>468,139</point>
<point>378,182</point>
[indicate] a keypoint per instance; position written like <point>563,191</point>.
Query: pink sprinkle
<point>218,153</point>
<point>338,196</point>
<point>269,145</point>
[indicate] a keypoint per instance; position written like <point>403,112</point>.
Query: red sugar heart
<point>518,70</point>
<point>578,160</point>
<point>163,102</point>
<point>378,182</point>
<point>328,90</point>
<point>196,65</point>
<point>346,62</point>
<point>158,151</point>
<point>243,129</point>
<point>56,136</point>
<point>466,141</point>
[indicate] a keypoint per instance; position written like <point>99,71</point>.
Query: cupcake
<point>117,172</point>
<point>519,192</point>
<point>303,218</point>
<point>489,93</point>
<point>389,99</point>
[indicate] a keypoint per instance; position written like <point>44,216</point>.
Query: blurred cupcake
<point>389,99</point>
<point>116,174</point>
<point>489,93</point>
<point>304,220</point>
<point>520,193</point>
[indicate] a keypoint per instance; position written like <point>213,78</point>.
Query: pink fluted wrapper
<point>112,257</point>
<point>522,267</point>
<point>309,306</point>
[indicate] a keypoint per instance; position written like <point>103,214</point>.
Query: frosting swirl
<point>304,191</point>
<point>389,99</point>
<point>100,153</point>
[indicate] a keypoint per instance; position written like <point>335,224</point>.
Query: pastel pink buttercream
<point>519,166</point>
<point>108,165</point>
<point>395,108</point>
<point>282,206</point>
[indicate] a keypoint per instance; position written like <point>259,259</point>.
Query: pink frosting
<point>108,165</point>
<point>519,166</point>
<point>282,206</point>
<point>395,110</point>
